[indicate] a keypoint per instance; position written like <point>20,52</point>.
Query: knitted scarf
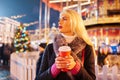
<point>77,45</point>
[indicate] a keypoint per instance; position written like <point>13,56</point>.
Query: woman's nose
<point>59,22</point>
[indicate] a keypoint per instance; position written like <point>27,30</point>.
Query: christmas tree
<point>21,40</point>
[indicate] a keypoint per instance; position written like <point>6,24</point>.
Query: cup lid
<point>64,48</point>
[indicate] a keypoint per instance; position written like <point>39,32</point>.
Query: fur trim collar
<point>77,45</point>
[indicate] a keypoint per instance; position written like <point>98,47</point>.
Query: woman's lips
<point>60,27</point>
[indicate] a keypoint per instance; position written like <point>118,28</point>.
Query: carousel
<point>102,21</point>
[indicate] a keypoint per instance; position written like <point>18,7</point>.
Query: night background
<point>28,10</point>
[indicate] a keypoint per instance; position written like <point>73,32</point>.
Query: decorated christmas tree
<point>21,40</point>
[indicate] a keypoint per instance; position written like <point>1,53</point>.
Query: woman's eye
<point>64,18</point>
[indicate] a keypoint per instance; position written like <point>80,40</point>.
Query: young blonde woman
<point>80,64</point>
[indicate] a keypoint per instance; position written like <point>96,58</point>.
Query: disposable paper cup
<point>64,51</point>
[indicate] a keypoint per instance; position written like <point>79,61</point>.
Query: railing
<point>23,66</point>
<point>107,73</point>
<point>102,20</point>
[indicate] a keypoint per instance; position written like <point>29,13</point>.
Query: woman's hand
<point>65,62</point>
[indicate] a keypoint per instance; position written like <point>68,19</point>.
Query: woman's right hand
<point>61,62</point>
<point>65,62</point>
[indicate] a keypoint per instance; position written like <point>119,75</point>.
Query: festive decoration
<point>111,2</point>
<point>21,39</point>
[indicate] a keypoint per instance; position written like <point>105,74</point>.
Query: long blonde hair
<point>78,27</point>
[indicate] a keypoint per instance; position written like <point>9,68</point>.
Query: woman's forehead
<point>64,15</point>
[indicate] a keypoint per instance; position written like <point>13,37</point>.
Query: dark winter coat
<point>7,51</point>
<point>38,63</point>
<point>87,72</point>
<point>1,50</point>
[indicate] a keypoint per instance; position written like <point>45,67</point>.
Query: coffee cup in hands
<point>64,51</point>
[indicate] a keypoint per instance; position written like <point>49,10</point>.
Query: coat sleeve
<point>87,72</point>
<point>45,68</point>
<point>38,63</point>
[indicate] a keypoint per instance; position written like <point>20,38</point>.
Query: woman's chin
<point>60,30</point>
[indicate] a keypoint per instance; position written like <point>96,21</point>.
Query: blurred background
<point>25,24</point>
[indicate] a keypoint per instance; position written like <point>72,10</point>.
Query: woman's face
<point>65,25</point>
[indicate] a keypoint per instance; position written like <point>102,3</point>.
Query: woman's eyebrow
<point>65,17</point>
